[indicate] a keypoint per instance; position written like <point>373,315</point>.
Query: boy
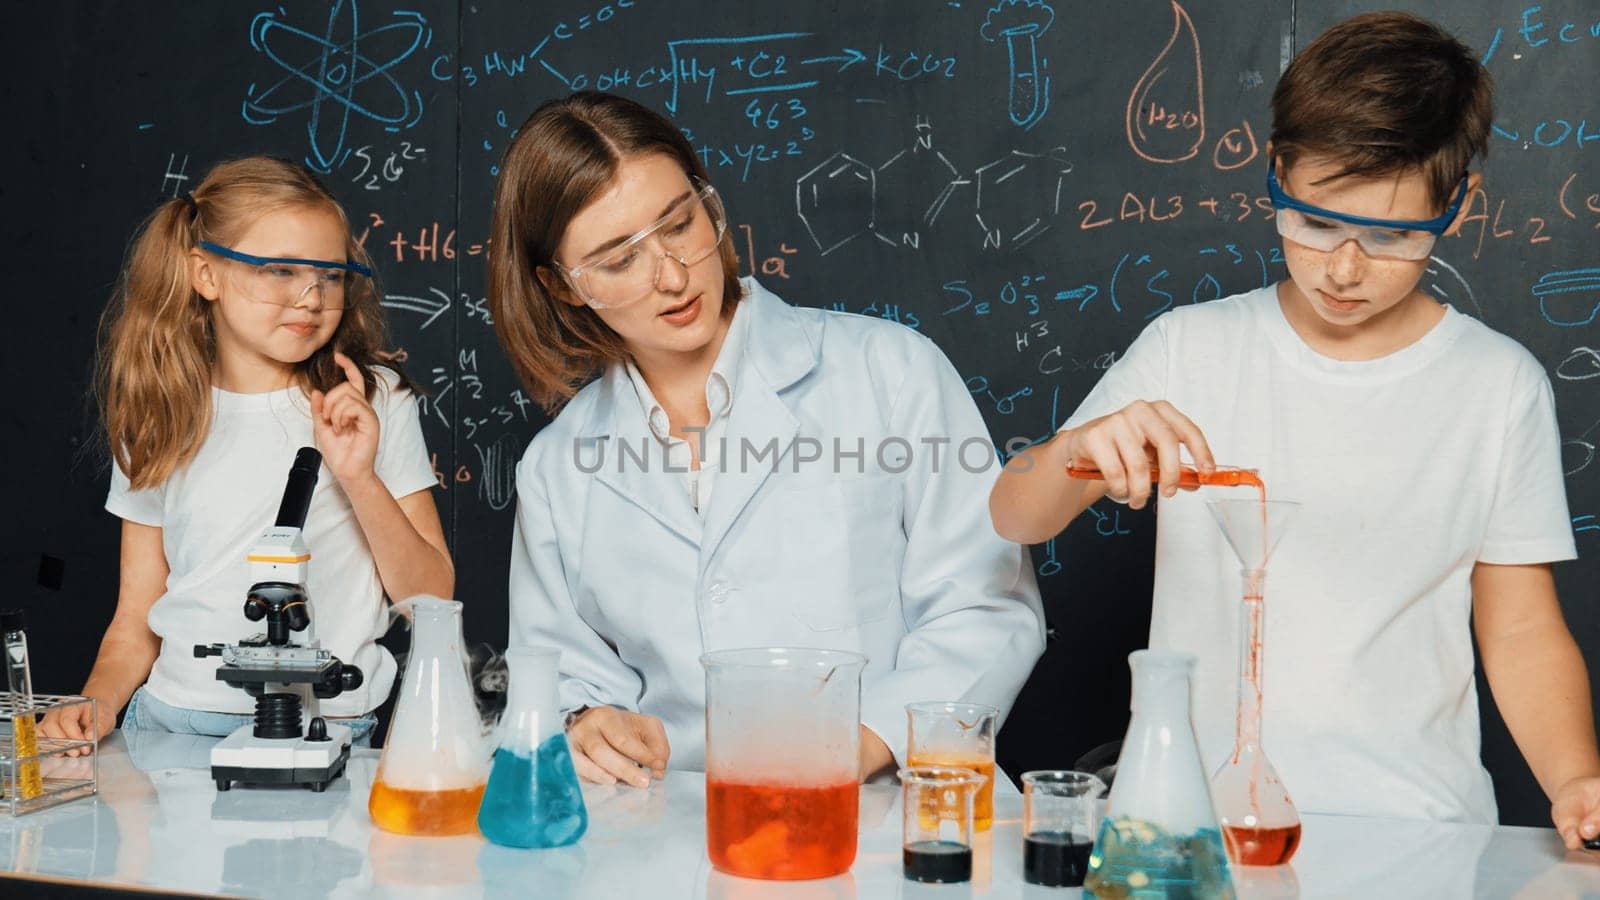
<point>1422,445</point>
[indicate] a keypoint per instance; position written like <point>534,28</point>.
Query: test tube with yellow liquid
<point>24,736</point>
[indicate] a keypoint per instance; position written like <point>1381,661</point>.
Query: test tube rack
<point>60,777</point>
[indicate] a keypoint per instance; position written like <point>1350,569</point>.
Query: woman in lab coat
<point>726,470</point>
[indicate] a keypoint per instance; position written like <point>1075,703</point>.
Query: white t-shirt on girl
<point>1410,469</point>
<point>212,511</point>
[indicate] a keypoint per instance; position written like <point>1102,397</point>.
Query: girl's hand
<point>344,425</point>
<point>610,745</point>
<point>1576,811</point>
<point>76,723</point>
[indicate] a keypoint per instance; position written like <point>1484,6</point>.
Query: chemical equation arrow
<point>849,58</point>
<point>431,308</point>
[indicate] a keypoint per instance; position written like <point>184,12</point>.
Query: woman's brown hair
<point>564,155</point>
<point>1384,93</point>
<point>157,348</point>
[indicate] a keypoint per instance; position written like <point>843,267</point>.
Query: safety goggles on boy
<point>689,232</point>
<point>1327,230</point>
<point>285,281</point>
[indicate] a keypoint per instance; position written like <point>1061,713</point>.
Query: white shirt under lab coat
<point>611,564</point>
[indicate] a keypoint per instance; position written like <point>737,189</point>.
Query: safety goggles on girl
<point>688,234</point>
<point>1328,230</point>
<point>286,281</point>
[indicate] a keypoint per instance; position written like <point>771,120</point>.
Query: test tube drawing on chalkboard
<point>341,72</point>
<point>1020,24</point>
<point>1167,107</point>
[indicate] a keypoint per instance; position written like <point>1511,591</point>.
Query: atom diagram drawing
<point>340,73</point>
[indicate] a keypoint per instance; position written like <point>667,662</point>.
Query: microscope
<point>287,679</point>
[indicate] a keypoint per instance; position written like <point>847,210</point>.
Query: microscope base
<point>244,759</point>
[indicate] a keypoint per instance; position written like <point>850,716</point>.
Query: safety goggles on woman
<point>690,232</point>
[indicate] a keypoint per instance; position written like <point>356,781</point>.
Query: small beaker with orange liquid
<point>435,759</point>
<point>956,735</point>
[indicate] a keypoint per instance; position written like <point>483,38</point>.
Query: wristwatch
<point>572,717</point>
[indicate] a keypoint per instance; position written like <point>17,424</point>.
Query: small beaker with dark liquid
<point>937,802</point>
<point>1060,815</point>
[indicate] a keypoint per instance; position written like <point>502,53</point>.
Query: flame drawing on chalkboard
<point>335,75</point>
<point>1021,23</point>
<point>1167,109</point>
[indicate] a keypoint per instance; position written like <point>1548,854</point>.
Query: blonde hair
<point>157,348</point>
<point>564,155</point>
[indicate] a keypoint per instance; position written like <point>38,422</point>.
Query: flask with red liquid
<point>782,756</point>
<point>1260,825</point>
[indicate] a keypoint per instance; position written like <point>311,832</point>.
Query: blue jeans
<point>146,713</point>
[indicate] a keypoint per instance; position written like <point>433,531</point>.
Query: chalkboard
<point>1027,182</point>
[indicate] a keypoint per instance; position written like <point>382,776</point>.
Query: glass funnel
<point>435,760</point>
<point>1159,837</point>
<point>1260,825</point>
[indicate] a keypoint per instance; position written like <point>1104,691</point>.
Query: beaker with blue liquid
<point>533,798</point>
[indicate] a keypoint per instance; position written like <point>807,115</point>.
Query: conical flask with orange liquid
<point>435,759</point>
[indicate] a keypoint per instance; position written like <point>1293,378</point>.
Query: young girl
<point>245,326</point>
<point>791,492</point>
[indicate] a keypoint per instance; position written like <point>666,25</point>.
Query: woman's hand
<point>610,745</point>
<point>875,754</point>
<point>78,723</point>
<point>344,425</point>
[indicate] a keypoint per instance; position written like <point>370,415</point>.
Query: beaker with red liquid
<point>1260,825</point>
<point>782,759</point>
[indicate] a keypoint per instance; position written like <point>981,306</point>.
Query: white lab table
<point>159,823</point>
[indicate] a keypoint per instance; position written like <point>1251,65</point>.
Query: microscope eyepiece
<point>297,493</point>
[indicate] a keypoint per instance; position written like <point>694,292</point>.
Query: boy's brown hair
<point>564,156</point>
<point>1385,93</point>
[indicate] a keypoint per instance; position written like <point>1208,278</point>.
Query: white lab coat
<point>617,570</point>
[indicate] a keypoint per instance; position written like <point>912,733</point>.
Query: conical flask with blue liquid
<point>533,798</point>
<point>1159,838</point>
